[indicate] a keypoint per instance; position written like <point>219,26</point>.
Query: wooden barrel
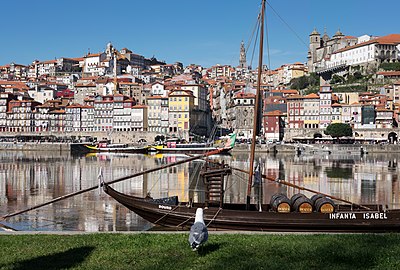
<point>301,204</point>
<point>296,196</point>
<point>324,205</point>
<point>315,197</point>
<point>280,203</point>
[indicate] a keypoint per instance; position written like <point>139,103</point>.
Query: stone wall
<point>28,146</point>
<point>377,133</point>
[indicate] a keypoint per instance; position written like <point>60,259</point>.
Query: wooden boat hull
<point>187,150</point>
<point>84,148</point>
<point>95,149</point>
<point>235,217</point>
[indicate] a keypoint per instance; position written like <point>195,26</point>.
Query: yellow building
<point>180,106</point>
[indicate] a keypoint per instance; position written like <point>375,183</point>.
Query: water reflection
<point>31,178</point>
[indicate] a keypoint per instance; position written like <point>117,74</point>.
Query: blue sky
<point>205,32</point>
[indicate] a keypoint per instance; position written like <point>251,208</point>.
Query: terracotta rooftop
<point>274,113</point>
<point>245,95</point>
<point>295,97</point>
<point>389,73</point>
<point>312,95</point>
<point>392,39</point>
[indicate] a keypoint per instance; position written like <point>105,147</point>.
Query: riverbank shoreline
<point>334,149</point>
<point>263,148</point>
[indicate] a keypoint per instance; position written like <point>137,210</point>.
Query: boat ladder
<point>213,177</point>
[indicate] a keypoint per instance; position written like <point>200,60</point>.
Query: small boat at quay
<point>105,146</point>
<point>173,146</point>
<point>191,148</point>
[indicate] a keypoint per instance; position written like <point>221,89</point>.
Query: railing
<point>328,69</point>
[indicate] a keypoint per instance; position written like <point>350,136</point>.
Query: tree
<point>337,79</point>
<point>299,83</point>
<point>305,81</point>
<point>338,130</point>
<point>390,66</point>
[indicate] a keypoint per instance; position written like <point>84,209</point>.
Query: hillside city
<point>346,79</point>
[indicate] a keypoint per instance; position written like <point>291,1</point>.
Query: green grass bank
<point>222,251</point>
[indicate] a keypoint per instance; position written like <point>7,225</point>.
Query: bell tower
<point>242,59</point>
<point>315,42</point>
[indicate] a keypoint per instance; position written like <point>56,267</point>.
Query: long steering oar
<point>7,228</point>
<point>112,182</point>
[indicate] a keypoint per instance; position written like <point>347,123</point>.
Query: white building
<point>95,64</point>
<point>87,118</point>
<point>157,89</point>
<point>122,111</point>
<point>154,113</point>
<point>42,94</point>
<point>73,118</point>
<point>139,118</point>
<point>366,53</point>
<point>325,106</point>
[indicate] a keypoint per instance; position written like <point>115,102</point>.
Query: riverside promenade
<point>342,149</point>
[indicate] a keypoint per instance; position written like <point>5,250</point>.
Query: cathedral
<point>321,48</point>
<point>345,55</point>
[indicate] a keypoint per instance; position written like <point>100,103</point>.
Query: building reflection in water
<point>32,178</point>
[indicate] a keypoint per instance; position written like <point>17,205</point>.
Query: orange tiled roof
<point>312,95</point>
<point>154,97</point>
<point>139,106</point>
<point>245,95</point>
<point>295,97</point>
<point>389,73</point>
<point>285,91</point>
<point>274,113</point>
<point>392,39</point>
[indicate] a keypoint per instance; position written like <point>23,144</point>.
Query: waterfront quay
<point>295,148</point>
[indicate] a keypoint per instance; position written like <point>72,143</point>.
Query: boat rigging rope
<point>287,25</point>
<point>187,220</point>
<point>235,181</point>
<point>267,40</point>
<point>155,182</point>
<point>255,42</point>
<point>216,214</point>
<point>250,40</point>
<point>166,214</point>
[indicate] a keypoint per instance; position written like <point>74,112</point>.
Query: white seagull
<point>198,232</point>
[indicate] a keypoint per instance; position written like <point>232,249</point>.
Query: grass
<point>222,251</point>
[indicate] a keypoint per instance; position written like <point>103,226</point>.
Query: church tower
<point>315,43</point>
<point>242,59</point>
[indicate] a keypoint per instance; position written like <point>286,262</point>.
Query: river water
<point>31,178</point>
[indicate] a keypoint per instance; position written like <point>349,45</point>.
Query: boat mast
<point>256,108</point>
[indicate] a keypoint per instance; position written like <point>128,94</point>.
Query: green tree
<point>358,75</point>
<point>337,79</point>
<point>338,130</point>
<point>299,83</point>
<point>309,81</point>
<point>390,66</point>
